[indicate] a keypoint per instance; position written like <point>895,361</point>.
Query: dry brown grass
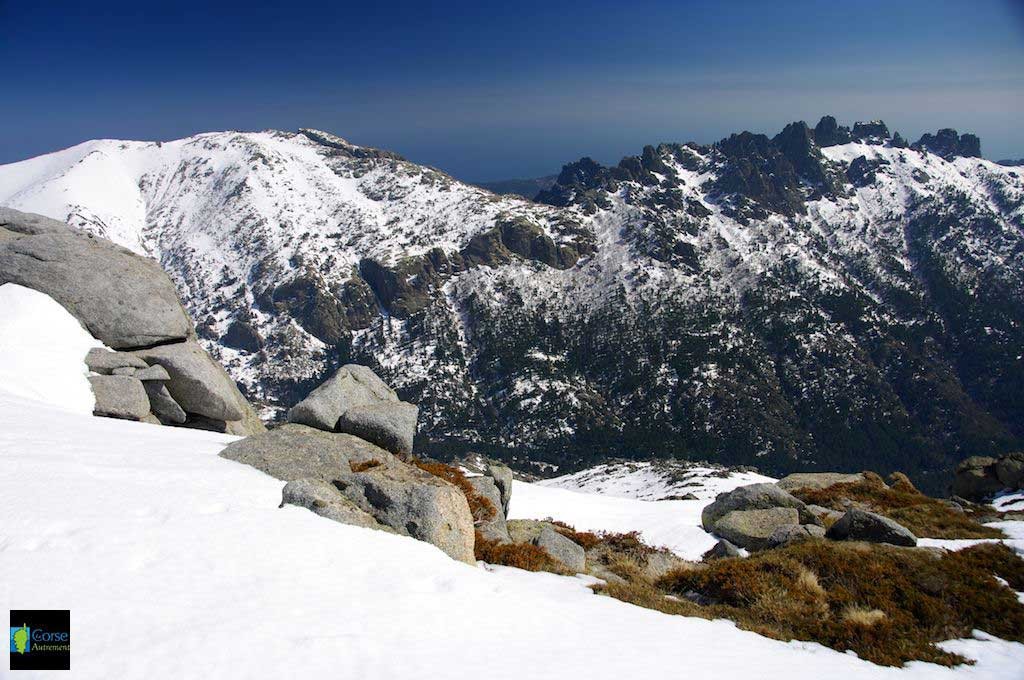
<point>887,604</point>
<point>521,555</point>
<point>925,516</point>
<point>365,465</point>
<point>480,506</point>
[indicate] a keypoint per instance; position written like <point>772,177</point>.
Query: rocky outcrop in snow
<point>349,478</point>
<point>127,302</point>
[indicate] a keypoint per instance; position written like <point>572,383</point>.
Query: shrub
<point>889,605</point>
<point>365,465</point>
<point>480,506</point>
<point>925,516</point>
<point>520,555</point>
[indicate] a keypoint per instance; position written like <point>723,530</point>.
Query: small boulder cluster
<point>344,454</point>
<point>980,478</point>
<point>157,372</point>
<point>767,515</point>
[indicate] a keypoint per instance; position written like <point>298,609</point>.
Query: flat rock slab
<point>406,499</point>
<point>119,396</point>
<point>816,480</point>
<point>123,299</point>
<point>294,451</point>
<point>105,362</point>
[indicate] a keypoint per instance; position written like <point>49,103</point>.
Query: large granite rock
<point>388,424</point>
<point>754,497</point>
<point>119,396</point>
<point>416,503</point>
<point>352,385</point>
<point>861,525</point>
<point>123,299</point>
<point>495,528</point>
<point>406,499</point>
<point>753,529</point>
<point>356,401</point>
<point>200,386</point>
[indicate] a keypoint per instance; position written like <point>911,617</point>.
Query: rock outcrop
<point>979,478</point>
<point>749,516</point>
<point>948,144</point>
<point>544,535</point>
<point>160,374</point>
<point>353,481</point>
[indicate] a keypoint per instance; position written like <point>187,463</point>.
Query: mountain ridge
<point>773,301</point>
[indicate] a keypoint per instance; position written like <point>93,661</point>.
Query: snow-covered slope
<point>176,563</point>
<point>777,301</point>
<point>656,481</point>
<point>42,351</point>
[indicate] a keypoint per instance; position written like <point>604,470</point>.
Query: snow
<point>177,563</point>
<point>42,351</point>
<point>654,481</point>
<point>1013,529</point>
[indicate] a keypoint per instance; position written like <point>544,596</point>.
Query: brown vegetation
<point>925,516</point>
<point>480,506</point>
<point>889,605</point>
<point>365,465</point>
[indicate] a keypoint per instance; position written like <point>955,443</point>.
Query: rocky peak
<point>948,144</point>
<point>829,133</point>
<point>871,132</point>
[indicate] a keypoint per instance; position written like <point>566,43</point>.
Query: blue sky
<point>507,90</point>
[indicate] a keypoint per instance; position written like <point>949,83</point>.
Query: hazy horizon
<point>510,92</point>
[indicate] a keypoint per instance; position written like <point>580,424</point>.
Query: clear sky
<point>516,89</point>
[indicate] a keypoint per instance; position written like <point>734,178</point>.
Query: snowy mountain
<point>824,299</point>
<point>148,524</point>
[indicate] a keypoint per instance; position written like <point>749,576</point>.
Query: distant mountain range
<point>827,298</point>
